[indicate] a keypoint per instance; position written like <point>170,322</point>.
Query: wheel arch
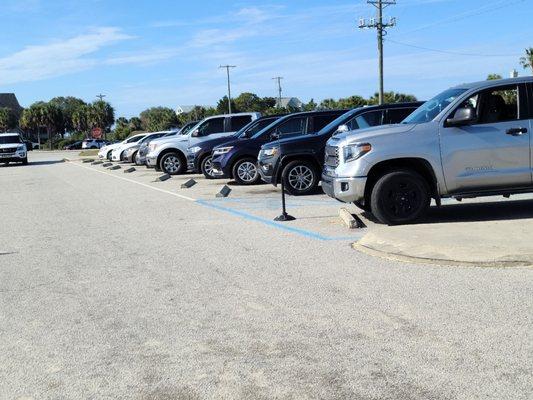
<point>419,165</point>
<point>171,150</point>
<point>298,157</point>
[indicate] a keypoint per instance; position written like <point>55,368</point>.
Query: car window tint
<point>498,105</point>
<point>240,122</point>
<point>320,121</point>
<point>294,126</point>
<point>397,115</point>
<point>214,125</point>
<point>366,120</point>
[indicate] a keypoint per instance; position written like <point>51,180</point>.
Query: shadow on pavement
<point>475,212</point>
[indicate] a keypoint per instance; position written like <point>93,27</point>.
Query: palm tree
<point>100,115</point>
<point>527,60</point>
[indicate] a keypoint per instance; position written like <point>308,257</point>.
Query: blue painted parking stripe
<point>298,231</point>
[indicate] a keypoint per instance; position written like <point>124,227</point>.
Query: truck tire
<point>25,161</point>
<point>245,171</point>
<point>173,163</point>
<point>400,197</point>
<point>206,167</point>
<point>300,178</point>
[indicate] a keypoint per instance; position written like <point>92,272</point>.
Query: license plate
<point>6,155</point>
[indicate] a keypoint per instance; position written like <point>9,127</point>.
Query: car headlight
<point>21,148</point>
<point>353,152</point>
<point>194,149</point>
<point>222,150</point>
<point>271,152</point>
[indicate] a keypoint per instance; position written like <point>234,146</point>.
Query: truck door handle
<point>516,131</point>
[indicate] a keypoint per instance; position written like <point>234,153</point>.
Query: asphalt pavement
<point>113,286</point>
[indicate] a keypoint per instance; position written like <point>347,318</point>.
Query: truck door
<point>493,152</point>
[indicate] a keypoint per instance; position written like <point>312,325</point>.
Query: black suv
<point>199,157</point>
<point>299,161</point>
<point>237,159</point>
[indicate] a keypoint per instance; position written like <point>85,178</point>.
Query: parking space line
<point>136,182</point>
<point>241,214</point>
<point>277,225</point>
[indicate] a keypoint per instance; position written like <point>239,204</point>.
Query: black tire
<point>25,161</point>
<point>6,164</point>
<point>362,206</point>
<point>246,172</point>
<point>206,167</point>
<point>173,163</point>
<point>133,158</point>
<point>121,157</point>
<point>300,178</point>
<point>400,197</point>
<point>108,155</point>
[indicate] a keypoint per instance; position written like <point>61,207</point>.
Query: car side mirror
<point>342,128</point>
<point>274,135</point>
<point>195,133</point>
<point>463,116</point>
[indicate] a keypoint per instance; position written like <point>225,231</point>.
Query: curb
<point>441,262</point>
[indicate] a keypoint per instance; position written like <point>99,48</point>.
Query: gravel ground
<point>110,289</point>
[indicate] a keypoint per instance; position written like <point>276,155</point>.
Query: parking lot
<point>115,285</point>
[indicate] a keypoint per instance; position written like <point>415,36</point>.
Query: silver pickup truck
<point>469,141</point>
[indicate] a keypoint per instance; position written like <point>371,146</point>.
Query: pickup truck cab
<point>12,149</point>
<point>471,140</point>
<point>299,160</point>
<point>170,154</point>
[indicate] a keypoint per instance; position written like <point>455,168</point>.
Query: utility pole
<point>279,78</point>
<point>227,67</point>
<point>101,96</point>
<point>381,29</point>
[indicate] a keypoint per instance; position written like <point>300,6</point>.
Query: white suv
<point>12,149</point>
<point>170,154</point>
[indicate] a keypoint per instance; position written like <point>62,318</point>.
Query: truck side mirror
<point>463,116</point>
<point>342,128</point>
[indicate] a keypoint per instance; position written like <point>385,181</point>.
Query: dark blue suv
<point>237,159</point>
<point>199,157</point>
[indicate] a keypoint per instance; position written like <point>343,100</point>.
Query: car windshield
<point>134,139</point>
<point>334,125</point>
<point>430,109</point>
<point>254,127</point>
<point>9,139</point>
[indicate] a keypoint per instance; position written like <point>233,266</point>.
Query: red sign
<point>97,133</point>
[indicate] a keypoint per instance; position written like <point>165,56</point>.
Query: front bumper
<point>268,168</point>
<point>219,171</point>
<point>151,161</point>
<point>192,162</point>
<point>347,190</point>
<point>18,156</point>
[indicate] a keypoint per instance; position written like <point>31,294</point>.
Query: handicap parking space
<point>317,216</point>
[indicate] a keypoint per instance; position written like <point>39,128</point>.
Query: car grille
<point>9,150</point>
<point>332,156</point>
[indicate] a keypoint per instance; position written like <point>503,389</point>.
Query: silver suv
<point>170,154</point>
<point>471,140</point>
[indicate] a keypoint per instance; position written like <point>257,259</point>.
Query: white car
<point>170,154</point>
<point>12,149</point>
<point>118,152</point>
<point>105,152</point>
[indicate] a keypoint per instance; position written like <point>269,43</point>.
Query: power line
<point>381,27</point>
<point>456,53</point>
<point>465,15</point>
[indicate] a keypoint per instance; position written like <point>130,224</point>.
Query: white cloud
<point>57,58</point>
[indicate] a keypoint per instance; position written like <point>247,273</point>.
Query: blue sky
<point>162,52</point>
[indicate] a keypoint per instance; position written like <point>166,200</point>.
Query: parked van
<point>170,154</point>
<point>471,140</point>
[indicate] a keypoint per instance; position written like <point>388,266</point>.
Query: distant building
<point>187,109</point>
<point>290,102</point>
<point>9,100</point>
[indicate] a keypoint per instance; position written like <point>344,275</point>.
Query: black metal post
<point>284,217</point>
